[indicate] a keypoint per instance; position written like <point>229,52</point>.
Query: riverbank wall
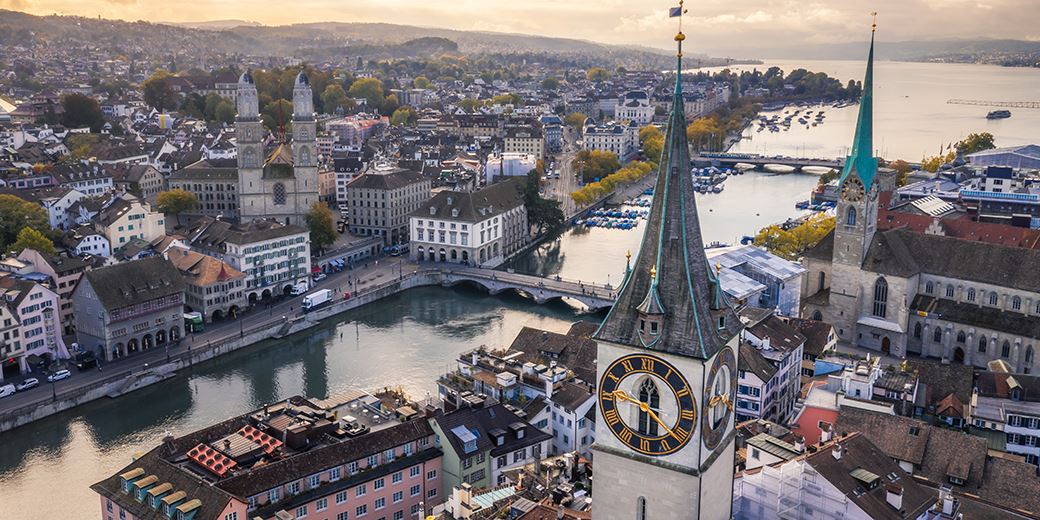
<point>122,383</point>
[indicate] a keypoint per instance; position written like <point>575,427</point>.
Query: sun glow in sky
<point>712,25</point>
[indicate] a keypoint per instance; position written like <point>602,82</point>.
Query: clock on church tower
<point>666,364</point>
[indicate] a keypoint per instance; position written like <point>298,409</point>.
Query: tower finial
<point>873,26</point>
<point>678,12</point>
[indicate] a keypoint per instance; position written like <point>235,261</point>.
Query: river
<point>408,340</point>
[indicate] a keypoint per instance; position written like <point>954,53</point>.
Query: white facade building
<point>508,165</point>
<point>635,106</point>
<point>619,138</point>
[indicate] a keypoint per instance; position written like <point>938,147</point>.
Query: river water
<point>410,339</point>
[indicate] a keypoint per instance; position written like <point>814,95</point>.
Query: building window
<point>937,334</point>
<point>1016,303</point>
<point>648,394</point>
<point>929,287</point>
<point>641,508</point>
<point>949,291</point>
<point>322,504</point>
<point>982,344</point>
<point>1005,350</point>
<point>917,330</point>
<point>961,338</point>
<point>850,217</point>
<point>971,295</point>
<point>880,298</point>
<point>301,511</point>
<point>341,497</point>
<point>1029,354</point>
<point>279,193</point>
<point>993,298</point>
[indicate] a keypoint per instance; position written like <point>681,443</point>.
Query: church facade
<point>667,365</point>
<point>905,293</point>
<point>282,184</point>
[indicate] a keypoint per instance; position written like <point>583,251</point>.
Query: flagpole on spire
<point>679,37</point>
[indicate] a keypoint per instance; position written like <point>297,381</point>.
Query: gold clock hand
<point>646,408</point>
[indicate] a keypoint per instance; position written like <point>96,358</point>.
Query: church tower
<point>857,211</point>
<point>304,146</point>
<point>667,364</point>
<point>249,144</point>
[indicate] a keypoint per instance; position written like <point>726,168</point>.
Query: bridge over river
<point>592,295</point>
<point>759,162</point>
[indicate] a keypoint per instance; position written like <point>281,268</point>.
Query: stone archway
<point>217,315</point>
<point>132,346</point>
<point>886,346</point>
<point>160,337</point>
<point>253,298</point>
<point>147,342</point>
<point>958,355</point>
<point>266,295</point>
<point>817,315</point>
<point>175,333</point>
<point>287,290</point>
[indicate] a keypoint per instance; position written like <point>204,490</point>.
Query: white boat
<point>717,188</point>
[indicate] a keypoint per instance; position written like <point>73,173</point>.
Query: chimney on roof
<point>545,335</point>
<point>799,444</point>
<point>227,445</point>
<point>826,433</point>
<point>837,451</point>
<point>946,500</point>
<point>894,496</point>
<point>559,512</point>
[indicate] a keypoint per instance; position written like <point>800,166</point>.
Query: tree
<point>29,238</point>
<point>932,164</point>
<point>80,111</point>
<point>468,104</point>
<point>276,115</point>
<point>647,132</point>
<point>225,112</point>
<point>333,97</point>
<point>158,92</point>
<point>389,105</point>
<point>976,143</point>
<point>543,214</point>
<point>319,221</point>
<point>792,243</point>
<point>371,89</point>
<point>597,74</point>
<point>575,120</point>
<point>595,164</point>
<point>16,214</point>
<point>550,84</point>
<point>403,116</point>
<point>175,202</point>
<point>903,170</point>
<point>421,82</point>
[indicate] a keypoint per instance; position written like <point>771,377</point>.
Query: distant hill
<point>954,50</point>
<point>215,25</point>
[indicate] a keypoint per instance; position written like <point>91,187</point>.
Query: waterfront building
<point>552,129</point>
<point>129,307</point>
<point>901,292</point>
<point>285,184</point>
<point>667,364</point>
<point>34,307</point>
<point>769,367</point>
<point>527,140</point>
<point>214,182</point>
<point>503,165</point>
<point>1006,408</point>
<point>212,287</point>
<point>635,106</point>
<point>381,199</point>
<point>755,277</point>
<point>619,138</point>
<point>64,273</point>
<point>344,457</point>
<point>126,218</point>
<point>10,344</point>
<point>275,257</point>
<point>1025,157</point>
<point>483,228</point>
<point>482,442</point>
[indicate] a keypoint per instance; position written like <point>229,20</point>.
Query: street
<point>374,272</point>
<point>561,189</point>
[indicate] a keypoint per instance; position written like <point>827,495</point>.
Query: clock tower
<point>857,213</point>
<point>667,364</point>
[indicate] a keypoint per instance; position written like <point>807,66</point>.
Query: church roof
<point>280,163</point>
<point>861,160</point>
<point>688,291</point>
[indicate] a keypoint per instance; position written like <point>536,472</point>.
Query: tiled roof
<point>571,395</point>
<point>201,270</point>
<point>817,334</point>
<point>130,283</point>
<point>751,360</point>
<point>575,353</point>
<point>939,380</point>
<point>480,421</point>
<point>474,206</point>
<point>393,180</point>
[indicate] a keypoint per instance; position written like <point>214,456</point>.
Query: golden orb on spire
<point>680,37</point>
<point>653,272</point>
<point>628,254</point>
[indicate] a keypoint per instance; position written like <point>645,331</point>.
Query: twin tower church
<point>667,351</point>
<point>282,184</point>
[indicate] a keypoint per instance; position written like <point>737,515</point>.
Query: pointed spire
<point>861,159</point>
<point>672,301</point>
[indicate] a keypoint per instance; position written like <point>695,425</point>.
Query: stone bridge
<point>592,295</point>
<point>759,162</point>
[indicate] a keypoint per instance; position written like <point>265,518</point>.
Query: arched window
<point>1005,349</point>
<point>850,216</point>
<point>929,288</point>
<point>641,508</point>
<point>823,280</point>
<point>949,291</point>
<point>982,344</point>
<point>917,330</point>
<point>279,193</point>
<point>880,298</point>
<point>649,395</point>
<point>817,315</point>
<point>971,295</point>
<point>937,335</point>
<point>1016,303</point>
<point>961,338</point>
<point>993,298</point>
<point>1029,354</point>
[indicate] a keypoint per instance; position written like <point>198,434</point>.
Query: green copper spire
<point>861,160</point>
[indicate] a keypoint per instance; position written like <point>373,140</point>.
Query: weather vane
<point>873,26</point>
<point>678,12</point>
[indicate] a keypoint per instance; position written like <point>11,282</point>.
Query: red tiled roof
<point>211,459</point>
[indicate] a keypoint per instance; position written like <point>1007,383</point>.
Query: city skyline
<point>741,28</point>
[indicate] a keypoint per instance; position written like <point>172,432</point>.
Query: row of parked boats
<point>818,206</point>
<point>783,122</point>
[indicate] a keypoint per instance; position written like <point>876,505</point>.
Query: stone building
<point>214,182</point>
<point>284,185</point>
<point>129,307</point>
<point>213,287</point>
<point>380,200</point>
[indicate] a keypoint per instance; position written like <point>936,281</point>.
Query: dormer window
<point>654,328</point>
<point>722,322</point>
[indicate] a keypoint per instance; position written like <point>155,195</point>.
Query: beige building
<point>381,199</point>
<point>212,287</point>
<point>524,140</point>
<point>126,218</point>
<point>214,182</point>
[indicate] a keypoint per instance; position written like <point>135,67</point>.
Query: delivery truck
<point>316,299</point>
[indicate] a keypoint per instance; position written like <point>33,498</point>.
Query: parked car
<point>59,375</point>
<point>320,276</point>
<point>85,360</point>
<point>32,382</point>
<point>7,390</point>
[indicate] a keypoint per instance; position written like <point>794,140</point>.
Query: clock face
<point>852,190</point>
<point>718,404</point>
<point>647,404</point>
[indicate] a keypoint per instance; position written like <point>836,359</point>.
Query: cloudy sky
<point>712,25</point>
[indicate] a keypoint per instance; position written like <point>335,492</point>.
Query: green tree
<point>550,83</point>
<point>597,74</point>
<point>507,99</point>
<point>16,214</point>
<point>370,89</point>
<point>421,82</point>
<point>158,92</point>
<point>225,112</point>
<point>209,110</point>
<point>176,201</point>
<point>544,215</point>
<point>403,116</point>
<point>976,143</point>
<point>469,104</point>
<point>595,164</point>
<point>319,221</point>
<point>80,111</point>
<point>903,170</point>
<point>792,243</point>
<point>575,120</point>
<point>333,97</point>
<point>29,238</point>
<point>389,105</point>
<point>277,115</point>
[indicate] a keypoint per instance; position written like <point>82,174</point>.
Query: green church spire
<point>861,160</point>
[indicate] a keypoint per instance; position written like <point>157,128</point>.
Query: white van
<point>7,390</point>
<point>300,288</point>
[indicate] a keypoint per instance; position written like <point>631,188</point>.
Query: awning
<point>315,269</point>
<point>879,323</point>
